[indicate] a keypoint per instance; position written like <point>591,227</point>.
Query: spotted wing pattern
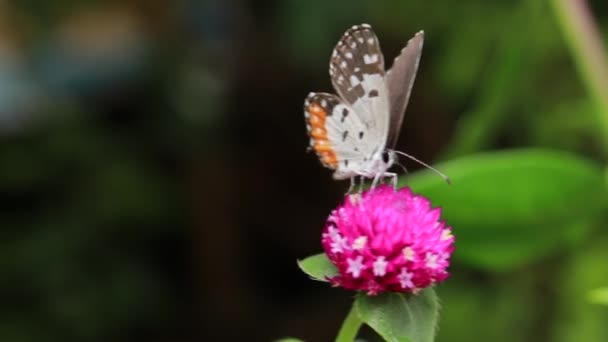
<point>400,80</point>
<point>357,54</point>
<point>357,73</point>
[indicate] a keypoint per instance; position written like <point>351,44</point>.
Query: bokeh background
<point>156,186</point>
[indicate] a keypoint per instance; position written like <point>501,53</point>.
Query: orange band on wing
<point>330,159</point>
<point>318,132</point>
<point>321,148</point>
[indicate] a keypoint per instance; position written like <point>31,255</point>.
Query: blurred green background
<point>156,186</point>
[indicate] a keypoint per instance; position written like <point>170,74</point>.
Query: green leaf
<point>513,207</point>
<point>399,317</point>
<point>318,267</point>
<point>289,339</point>
<point>598,296</point>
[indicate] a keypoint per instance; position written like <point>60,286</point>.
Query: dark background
<point>155,181</point>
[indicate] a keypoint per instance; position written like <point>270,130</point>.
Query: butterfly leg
<point>377,178</point>
<point>393,177</point>
<point>362,183</point>
<point>381,177</point>
<point>352,185</point>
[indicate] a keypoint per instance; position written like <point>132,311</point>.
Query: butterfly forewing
<point>357,73</point>
<point>356,54</point>
<point>400,80</point>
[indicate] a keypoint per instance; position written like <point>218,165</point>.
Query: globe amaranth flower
<point>387,240</point>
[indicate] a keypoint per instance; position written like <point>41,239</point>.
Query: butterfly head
<point>381,162</point>
<point>389,157</point>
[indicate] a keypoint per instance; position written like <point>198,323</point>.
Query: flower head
<point>387,240</point>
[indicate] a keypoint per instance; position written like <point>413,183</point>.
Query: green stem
<point>585,43</point>
<point>350,327</point>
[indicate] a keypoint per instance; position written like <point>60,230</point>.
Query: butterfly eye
<point>387,157</point>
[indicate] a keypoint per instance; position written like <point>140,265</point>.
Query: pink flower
<point>387,240</point>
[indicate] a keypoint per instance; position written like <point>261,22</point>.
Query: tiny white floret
<point>380,266</point>
<point>355,266</point>
<point>360,243</point>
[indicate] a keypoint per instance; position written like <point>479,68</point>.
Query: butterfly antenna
<point>445,178</point>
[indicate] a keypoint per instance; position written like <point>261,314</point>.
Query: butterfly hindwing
<point>400,80</point>
<point>336,134</point>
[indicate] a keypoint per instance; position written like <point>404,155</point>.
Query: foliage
<point>152,156</point>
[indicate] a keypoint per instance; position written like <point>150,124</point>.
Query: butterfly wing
<point>336,134</point>
<point>357,73</point>
<point>400,79</point>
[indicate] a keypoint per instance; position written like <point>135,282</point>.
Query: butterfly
<point>354,132</point>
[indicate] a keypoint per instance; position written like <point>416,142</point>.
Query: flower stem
<point>585,42</point>
<point>350,327</point>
